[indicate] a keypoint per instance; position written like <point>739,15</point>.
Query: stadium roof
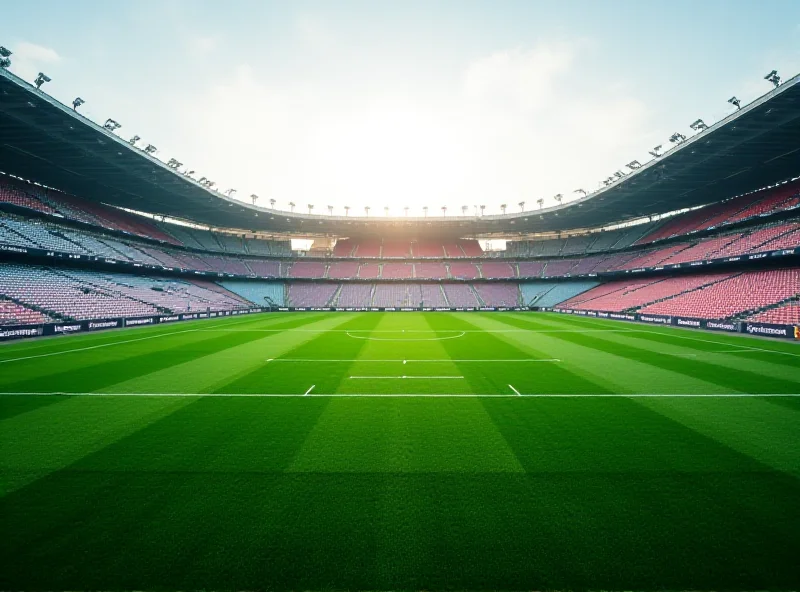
<point>45,141</point>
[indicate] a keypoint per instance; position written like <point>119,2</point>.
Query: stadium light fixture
<point>77,103</point>
<point>773,78</point>
<point>291,206</point>
<point>134,139</point>
<point>254,198</point>
<point>677,138</point>
<point>405,209</point>
<point>271,202</point>
<point>188,173</point>
<point>540,201</point>
<point>444,211</point>
<point>347,211</point>
<point>386,211</point>
<point>698,125</point>
<point>521,206</point>
<point>558,197</point>
<point>735,102</point>
<point>482,208</point>
<point>654,152</point>
<point>503,208</point>
<point>619,174</point>
<point>310,208</point>
<point>150,149</point>
<point>582,191</point>
<point>5,54</point>
<point>330,210</point>
<point>425,211</point>
<point>634,164</point>
<point>174,164</point>
<point>464,210</point>
<point>366,210</point>
<point>111,125</point>
<point>41,79</point>
<point>230,192</point>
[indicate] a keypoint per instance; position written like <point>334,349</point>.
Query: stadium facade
<point>75,258</point>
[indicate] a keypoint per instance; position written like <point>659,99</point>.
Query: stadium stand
<point>12,313</point>
<point>549,294</point>
<point>460,295</point>
<point>259,293</point>
<point>786,314</point>
<point>498,293</point>
<point>740,293</point>
<point>355,295</point>
<point>464,271</point>
<point>309,294</point>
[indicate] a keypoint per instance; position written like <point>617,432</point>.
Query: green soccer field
<point>413,451</point>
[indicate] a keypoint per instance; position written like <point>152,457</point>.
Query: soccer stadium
<point>202,391</point>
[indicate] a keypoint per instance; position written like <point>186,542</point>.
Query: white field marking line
<point>771,351</point>
<point>515,390</point>
<point>309,390</point>
<point>307,360</point>
<point>369,395</point>
<point>461,334</point>
<point>77,349</point>
<point>111,333</point>
<point>290,330</point>
<point>403,377</point>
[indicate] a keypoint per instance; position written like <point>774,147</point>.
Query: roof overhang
<point>45,141</point>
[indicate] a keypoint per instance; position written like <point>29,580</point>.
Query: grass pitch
<point>529,451</point>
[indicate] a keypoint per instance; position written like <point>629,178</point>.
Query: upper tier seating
<point>399,249</point>
<point>397,270</point>
<point>430,249</point>
<point>498,269</point>
<point>531,268</point>
<point>559,267</point>
<point>344,247</point>
<point>464,271</point>
<point>369,270</point>
<point>368,248</point>
<point>343,270</point>
<point>741,293</point>
<point>307,269</point>
<point>430,270</point>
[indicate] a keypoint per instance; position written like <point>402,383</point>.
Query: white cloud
<point>201,45</point>
<point>517,126</point>
<point>29,59</point>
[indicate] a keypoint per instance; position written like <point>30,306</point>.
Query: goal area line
<point>515,395</point>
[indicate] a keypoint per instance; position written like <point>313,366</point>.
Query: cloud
<point>201,45</point>
<point>517,124</point>
<point>29,59</point>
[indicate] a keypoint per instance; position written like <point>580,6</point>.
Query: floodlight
<point>558,197</point>
<point>5,54</point>
<point>41,79</point>
<point>254,197</point>
<point>634,164</point>
<point>698,125</point>
<point>677,138</point>
<point>202,180</point>
<point>583,191</point>
<point>619,174</point>
<point>230,192</point>
<point>111,125</point>
<point>150,149</point>
<point>133,140</point>
<point>773,78</point>
<point>735,102</point>
<point>654,152</point>
<point>77,103</point>
<point>174,164</point>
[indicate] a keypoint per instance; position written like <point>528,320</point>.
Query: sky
<point>404,104</point>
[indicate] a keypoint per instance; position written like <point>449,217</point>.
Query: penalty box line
<point>310,360</point>
<point>309,394</point>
